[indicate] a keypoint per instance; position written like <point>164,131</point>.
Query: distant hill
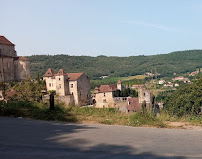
<point>94,67</point>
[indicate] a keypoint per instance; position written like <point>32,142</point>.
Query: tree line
<point>112,66</point>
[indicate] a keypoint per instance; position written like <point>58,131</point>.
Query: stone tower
<point>144,95</point>
<point>62,83</point>
<point>119,85</point>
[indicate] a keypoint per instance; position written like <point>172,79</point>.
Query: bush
<point>35,110</point>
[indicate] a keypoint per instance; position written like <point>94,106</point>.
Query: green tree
<point>29,90</point>
<point>185,100</point>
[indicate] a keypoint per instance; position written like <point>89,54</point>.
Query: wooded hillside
<point>94,67</point>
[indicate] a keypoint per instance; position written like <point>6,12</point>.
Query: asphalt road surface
<point>24,138</point>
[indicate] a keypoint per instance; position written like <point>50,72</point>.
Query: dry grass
<point>136,77</point>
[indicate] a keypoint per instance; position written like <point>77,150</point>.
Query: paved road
<point>23,138</point>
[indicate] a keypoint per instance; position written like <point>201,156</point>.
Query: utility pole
<point>155,76</point>
<point>152,75</point>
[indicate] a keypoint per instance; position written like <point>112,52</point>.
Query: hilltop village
<point>75,88</point>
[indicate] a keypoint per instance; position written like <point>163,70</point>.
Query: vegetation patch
<point>185,101</point>
<point>146,119</point>
<point>109,116</point>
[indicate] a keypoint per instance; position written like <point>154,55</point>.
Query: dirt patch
<point>183,125</point>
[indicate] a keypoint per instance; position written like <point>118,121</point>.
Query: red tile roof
<point>49,73</point>
<point>107,88</point>
<point>119,82</point>
<point>22,58</point>
<point>71,76</point>
<point>61,72</point>
<point>5,41</point>
<point>74,76</point>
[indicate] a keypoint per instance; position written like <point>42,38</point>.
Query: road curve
<point>34,139</point>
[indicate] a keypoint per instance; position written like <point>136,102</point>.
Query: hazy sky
<point>102,27</point>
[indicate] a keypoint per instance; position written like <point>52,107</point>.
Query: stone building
<point>135,104</point>
<point>104,96</point>
<point>12,67</point>
<point>69,86</point>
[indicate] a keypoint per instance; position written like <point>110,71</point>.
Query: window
<point>144,94</point>
<point>60,86</point>
<point>72,85</point>
<point>49,84</point>
<point>72,93</point>
<point>104,101</point>
<point>104,94</point>
<point>59,79</point>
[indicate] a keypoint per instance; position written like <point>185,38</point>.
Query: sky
<point>101,27</point>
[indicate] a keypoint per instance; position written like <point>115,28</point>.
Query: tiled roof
<point>119,82</point>
<point>49,73</point>
<point>61,72</point>
<point>74,76</point>
<point>5,41</point>
<point>22,58</point>
<point>71,76</point>
<point>107,88</point>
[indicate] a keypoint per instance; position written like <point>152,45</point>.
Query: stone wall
<point>120,101</point>
<point>65,99</point>
<point>6,69</point>
<point>21,69</point>
<point>7,50</point>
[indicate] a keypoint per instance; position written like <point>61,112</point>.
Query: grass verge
<point>109,116</point>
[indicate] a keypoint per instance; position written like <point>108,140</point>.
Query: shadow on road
<point>22,138</point>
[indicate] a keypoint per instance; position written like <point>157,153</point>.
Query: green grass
<point>115,79</point>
